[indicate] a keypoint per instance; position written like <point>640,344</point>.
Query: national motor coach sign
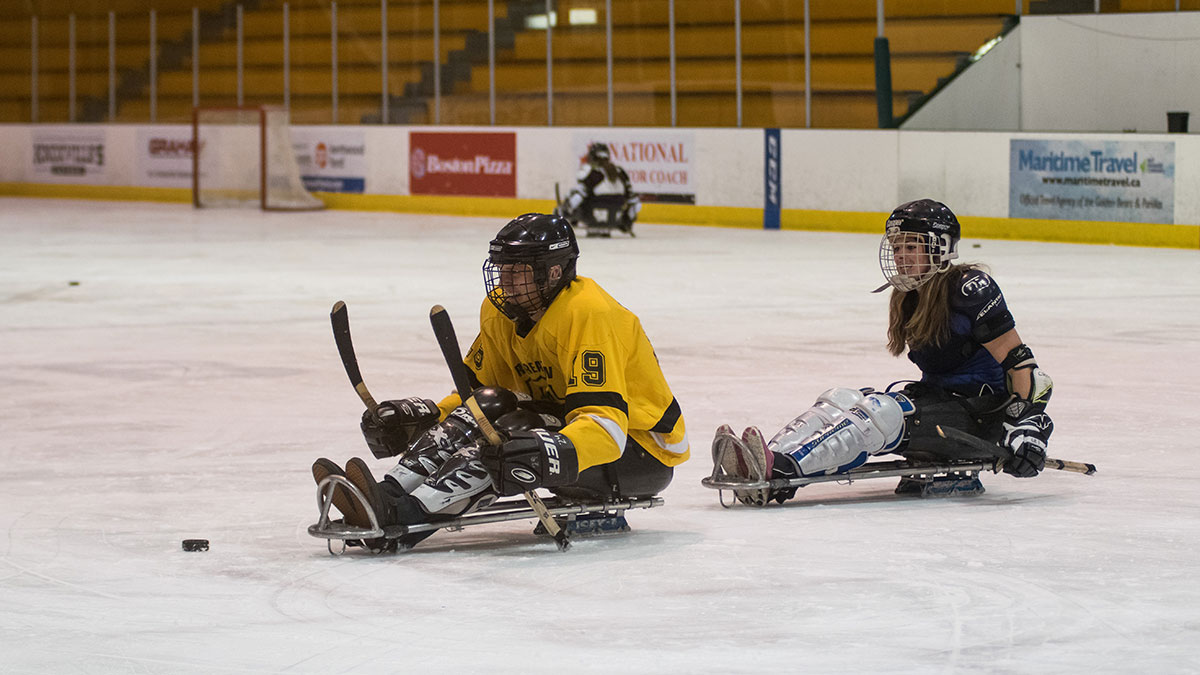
<point>480,164</point>
<point>659,165</point>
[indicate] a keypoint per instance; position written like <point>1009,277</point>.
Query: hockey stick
<point>448,341</point>
<point>1003,453</point>
<point>340,319</point>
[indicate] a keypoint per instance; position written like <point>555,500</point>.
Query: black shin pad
<point>977,416</point>
<point>636,474</point>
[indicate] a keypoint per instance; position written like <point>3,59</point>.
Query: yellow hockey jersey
<point>588,356</point>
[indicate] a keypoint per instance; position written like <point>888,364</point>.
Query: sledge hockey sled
<point>601,220</point>
<point>576,518</point>
<point>922,478</point>
<point>926,479</point>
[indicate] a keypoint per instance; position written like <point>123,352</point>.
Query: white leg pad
<point>840,431</point>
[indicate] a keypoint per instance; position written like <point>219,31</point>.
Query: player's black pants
<point>980,416</point>
<point>603,212</point>
<point>636,474</point>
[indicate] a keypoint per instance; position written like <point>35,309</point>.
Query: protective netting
<point>244,157</point>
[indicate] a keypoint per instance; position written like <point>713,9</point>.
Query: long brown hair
<point>921,317</point>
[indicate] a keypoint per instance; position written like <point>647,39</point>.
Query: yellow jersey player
<point>564,372</point>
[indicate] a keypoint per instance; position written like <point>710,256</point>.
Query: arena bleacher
<point>929,40</point>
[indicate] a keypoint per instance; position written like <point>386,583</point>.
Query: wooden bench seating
<point>904,37</point>
<point>777,109</point>
<point>909,74</point>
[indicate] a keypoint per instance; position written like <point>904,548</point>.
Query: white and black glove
<point>527,460</point>
<point>390,427</point>
<point>1027,438</point>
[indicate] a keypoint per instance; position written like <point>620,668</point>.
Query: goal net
<point>244,157</point>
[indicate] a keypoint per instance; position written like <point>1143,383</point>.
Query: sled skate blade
<point>954,484</point>
<point>562,511</point>
<point>590,525</point>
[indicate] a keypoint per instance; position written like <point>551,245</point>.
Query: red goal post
<point>243,156</point>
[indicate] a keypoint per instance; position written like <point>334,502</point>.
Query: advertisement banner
<point>331,160</point>
<point>68,154</point>
<point>1114,181</point>
<point>772,175</point>
<point>473,164</point>
<point>164,156</point>
<point>659,164</point>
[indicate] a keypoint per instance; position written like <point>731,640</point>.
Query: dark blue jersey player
<point>978,316</point>
<point>976,373</point>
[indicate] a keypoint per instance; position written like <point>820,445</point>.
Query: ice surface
<point>184,386</point>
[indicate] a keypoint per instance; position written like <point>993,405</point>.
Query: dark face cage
<point>517,289</point>
<point>521,287</point>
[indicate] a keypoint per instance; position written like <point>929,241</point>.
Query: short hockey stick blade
<point>1002,453</point>
<point>340,319</point>
<point>443,329</point>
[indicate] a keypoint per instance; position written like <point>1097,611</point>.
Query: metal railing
<point>745,80</point>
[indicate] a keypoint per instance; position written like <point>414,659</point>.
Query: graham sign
<point>165,156</point>
<point>480,164</point>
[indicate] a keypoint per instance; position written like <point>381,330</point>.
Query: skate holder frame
<point>516,509</point>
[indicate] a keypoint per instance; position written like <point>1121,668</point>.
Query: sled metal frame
<point>514,509</point>
<point>721,481</point>
<point>605,230</point>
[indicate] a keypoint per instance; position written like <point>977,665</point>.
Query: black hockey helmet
<point>541,242</point>
<point>598,153</point>
<point>927,223</point>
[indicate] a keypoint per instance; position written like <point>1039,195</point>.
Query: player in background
<point>977,375</point>
<point>601,186</point>
<point>564,373</point>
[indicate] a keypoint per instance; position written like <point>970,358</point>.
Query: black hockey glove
<point>531,459</point>
<point>1027,438</point>
<point>390,427</point>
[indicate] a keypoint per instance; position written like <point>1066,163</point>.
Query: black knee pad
<point>495,402</point>
<point>636,474</point>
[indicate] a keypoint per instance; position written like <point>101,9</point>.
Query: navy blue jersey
<point>978,314</point>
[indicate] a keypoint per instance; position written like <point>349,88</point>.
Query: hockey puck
<point>195,544</point>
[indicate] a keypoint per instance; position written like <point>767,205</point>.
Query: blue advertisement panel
<point>1115,181</point>
<point>772,177</point>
